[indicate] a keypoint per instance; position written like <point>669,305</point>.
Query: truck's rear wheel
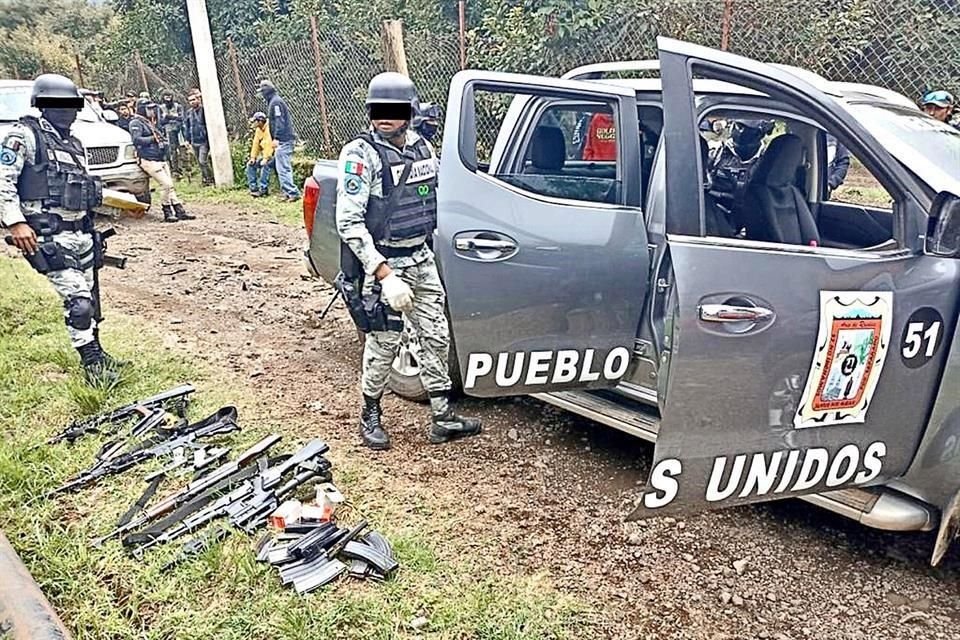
<point>404,379</point>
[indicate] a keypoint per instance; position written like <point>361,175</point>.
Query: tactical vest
<point>408,210</point>
<point>170,112</point>
<point>730,174</point>
<point>58,177</point>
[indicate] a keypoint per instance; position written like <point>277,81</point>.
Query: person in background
<point>125,115</point>
<point>600,142</point>
<point>131,99</point>
<point>195,134</point>
<point>426,119</point>
<point>152,150</point>
<point>939,105</point>
<point>838,163</point>
<point>261,162</point>
<point>281,128</point>
<point>171,122</point>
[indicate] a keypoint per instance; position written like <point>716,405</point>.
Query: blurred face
<point>194,101</point>
<point>936,111</point>
<point>389,120</point>
<point>125,110</point>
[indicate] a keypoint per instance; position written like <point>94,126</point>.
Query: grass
<point>289,213</point>
<point>224,594</point>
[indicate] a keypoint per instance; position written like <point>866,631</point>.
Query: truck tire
<point>404,379</point>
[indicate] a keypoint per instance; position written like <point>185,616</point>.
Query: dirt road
<point>541,491</point>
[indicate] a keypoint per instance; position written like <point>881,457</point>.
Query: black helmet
<point>747,135</point>
<point>143,105</point>
<point>391,88</point>
<point>54,91</point>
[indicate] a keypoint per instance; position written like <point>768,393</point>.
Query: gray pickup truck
<point>792,342</point>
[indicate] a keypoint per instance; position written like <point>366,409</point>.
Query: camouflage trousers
<point>73,283</point>
<point>430,323</point>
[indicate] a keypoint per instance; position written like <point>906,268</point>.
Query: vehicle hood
<point>100,134</point>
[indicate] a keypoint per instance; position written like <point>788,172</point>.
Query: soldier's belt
<point>50,224</point>
<point>398,252</point>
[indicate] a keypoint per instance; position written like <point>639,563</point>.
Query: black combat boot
<point>168,214</point>
<point>182,213</point>
<point>97,369</point>
<point>371,427</point>
<point>115,364</point>
<point>447,425</point>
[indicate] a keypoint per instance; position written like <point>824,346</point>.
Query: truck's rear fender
<point>324,250</point>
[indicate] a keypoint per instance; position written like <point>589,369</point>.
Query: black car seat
<point>775,210</point>
<point>548,151</point>
<point>716,221</point>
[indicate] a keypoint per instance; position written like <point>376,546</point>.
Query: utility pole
<point>210,88</point>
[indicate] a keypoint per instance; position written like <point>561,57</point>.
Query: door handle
<point>732,313</point>
<point>484,244</point>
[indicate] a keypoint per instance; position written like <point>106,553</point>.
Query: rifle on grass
<point>247,506</point>
<point>113,460</point>
<point>142,408</point>
<point>218,478</point>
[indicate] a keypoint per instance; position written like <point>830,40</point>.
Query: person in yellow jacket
<point>261,162</point>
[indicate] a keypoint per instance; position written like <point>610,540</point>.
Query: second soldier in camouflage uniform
<point>46,197</point>
<point>399,257</point>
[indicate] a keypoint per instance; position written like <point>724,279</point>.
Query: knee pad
<point>79,313</point>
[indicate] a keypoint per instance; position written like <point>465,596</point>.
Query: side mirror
<point>110,116</point>
<point>943,228</point>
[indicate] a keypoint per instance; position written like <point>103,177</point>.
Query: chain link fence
<point>909,46</point>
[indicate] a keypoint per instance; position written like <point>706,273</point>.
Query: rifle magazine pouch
<point>74,193</point>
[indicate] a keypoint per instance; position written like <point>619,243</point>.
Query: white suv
<point>110,151</point>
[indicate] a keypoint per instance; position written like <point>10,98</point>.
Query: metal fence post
<point>725,24</point>
<point>321,96</point>
<point>463,34</point>
<point>236,76</point>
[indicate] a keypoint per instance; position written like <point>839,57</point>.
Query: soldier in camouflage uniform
<point>46,198</point>
<point>397,253</point>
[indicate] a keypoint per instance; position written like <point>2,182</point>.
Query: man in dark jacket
<point>838,163</point>
<point>124,114</point>
<point>171,123</point>
<point>152,150</point>
<point>195,133</point>
<point>281,128</point>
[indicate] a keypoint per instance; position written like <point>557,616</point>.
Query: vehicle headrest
<point>779,164</point>
<point>548,149</point>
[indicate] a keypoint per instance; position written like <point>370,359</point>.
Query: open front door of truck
<point>542,246</point>
<point>794,368</point>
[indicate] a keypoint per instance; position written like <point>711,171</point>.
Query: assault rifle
<point>195,489</point>
<point>142,408</point>
<point>248,505</point>
<point>113,460</point>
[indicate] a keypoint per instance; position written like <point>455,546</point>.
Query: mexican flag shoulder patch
<point>356,168</point>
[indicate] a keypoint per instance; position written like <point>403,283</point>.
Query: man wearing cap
<point>261,162</point>
<point>281,128</point>
<point>939,105</point>
<point>386,215</point>
<point>151,147</point>
<point>47,199</point>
